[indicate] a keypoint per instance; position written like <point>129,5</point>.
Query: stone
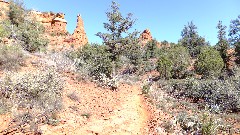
<point>231,59</point>
<point>54,23</point>
<point>145,37</point>
<point>79,35</point>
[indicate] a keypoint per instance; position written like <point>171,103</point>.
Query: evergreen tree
<point>191,39</point>
<point>150,49</point>
<point>117,27</point>
<point>222,42</point>
<point>234,34</point>
<point>234,31</point>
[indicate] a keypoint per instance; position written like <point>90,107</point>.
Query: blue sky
<point>164,18</point>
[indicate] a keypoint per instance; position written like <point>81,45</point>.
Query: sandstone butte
<point>55,28</point>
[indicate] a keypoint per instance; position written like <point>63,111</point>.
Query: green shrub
<point>150,49</point>
<point>3,32</point>
<point>11,57</point>
<point>209,62</point>
<point>173,62</point>
<point>194,124</point>
<point>36,95</point>
<point>93,60</point>
<point>24,27</point>
<point>165,66</point>
<point>16,12</point>
<point>218,95</point>
<point>131,59</point>
<point>30,32</point>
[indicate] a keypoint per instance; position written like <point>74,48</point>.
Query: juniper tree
<point>191,39</point>
<point>234,34</point>
<point>118,37</point>
<point>222,42</point>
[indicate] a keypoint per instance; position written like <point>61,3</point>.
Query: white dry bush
<point>32,94</point>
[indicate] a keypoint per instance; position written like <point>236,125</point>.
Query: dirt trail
<point>111,112</point>
<point>120,112</point>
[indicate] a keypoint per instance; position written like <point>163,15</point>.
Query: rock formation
<point>3,8</point>
<point>145,37</point>
<point>79,36</point>
<point>54,23</point>
<point>231,59</point>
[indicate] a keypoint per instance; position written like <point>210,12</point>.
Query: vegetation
<point>150,49</point>
<point>173,62</point>
<point>223,43</point>
<point>31,96</point>
<point>234,34</point>
<point>24,28</point>
<point>93,60</point>
<point>209,62</point>
<point>189,71</point>
<point>114,41</point>
<point>191,39</point>
<point>11,57</point>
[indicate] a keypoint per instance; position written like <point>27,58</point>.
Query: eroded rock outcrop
<point>54,23</point>
<point>145,37</point>
<point>231,59</point>
<point>79,36</point>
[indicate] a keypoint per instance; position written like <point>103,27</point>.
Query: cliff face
<point>54,23</point>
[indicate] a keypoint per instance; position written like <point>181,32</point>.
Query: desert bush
<point>11,57</point>
<point>73,96</point>
<point>30,32</point>
<point>3,32</point>
<point>24,27</point>
<point>131,59</point>
<point>150,49</point>
<point>36,95</point>
<point>204,124</point>
<point>209,62</point>
<point>92,60</point>
<point>218,95</point>
<point>173,62</point>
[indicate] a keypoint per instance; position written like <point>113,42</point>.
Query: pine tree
<point>222,42</point>
<point>191,39</point>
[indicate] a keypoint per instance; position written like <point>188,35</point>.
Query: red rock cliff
<point>54,23</point>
